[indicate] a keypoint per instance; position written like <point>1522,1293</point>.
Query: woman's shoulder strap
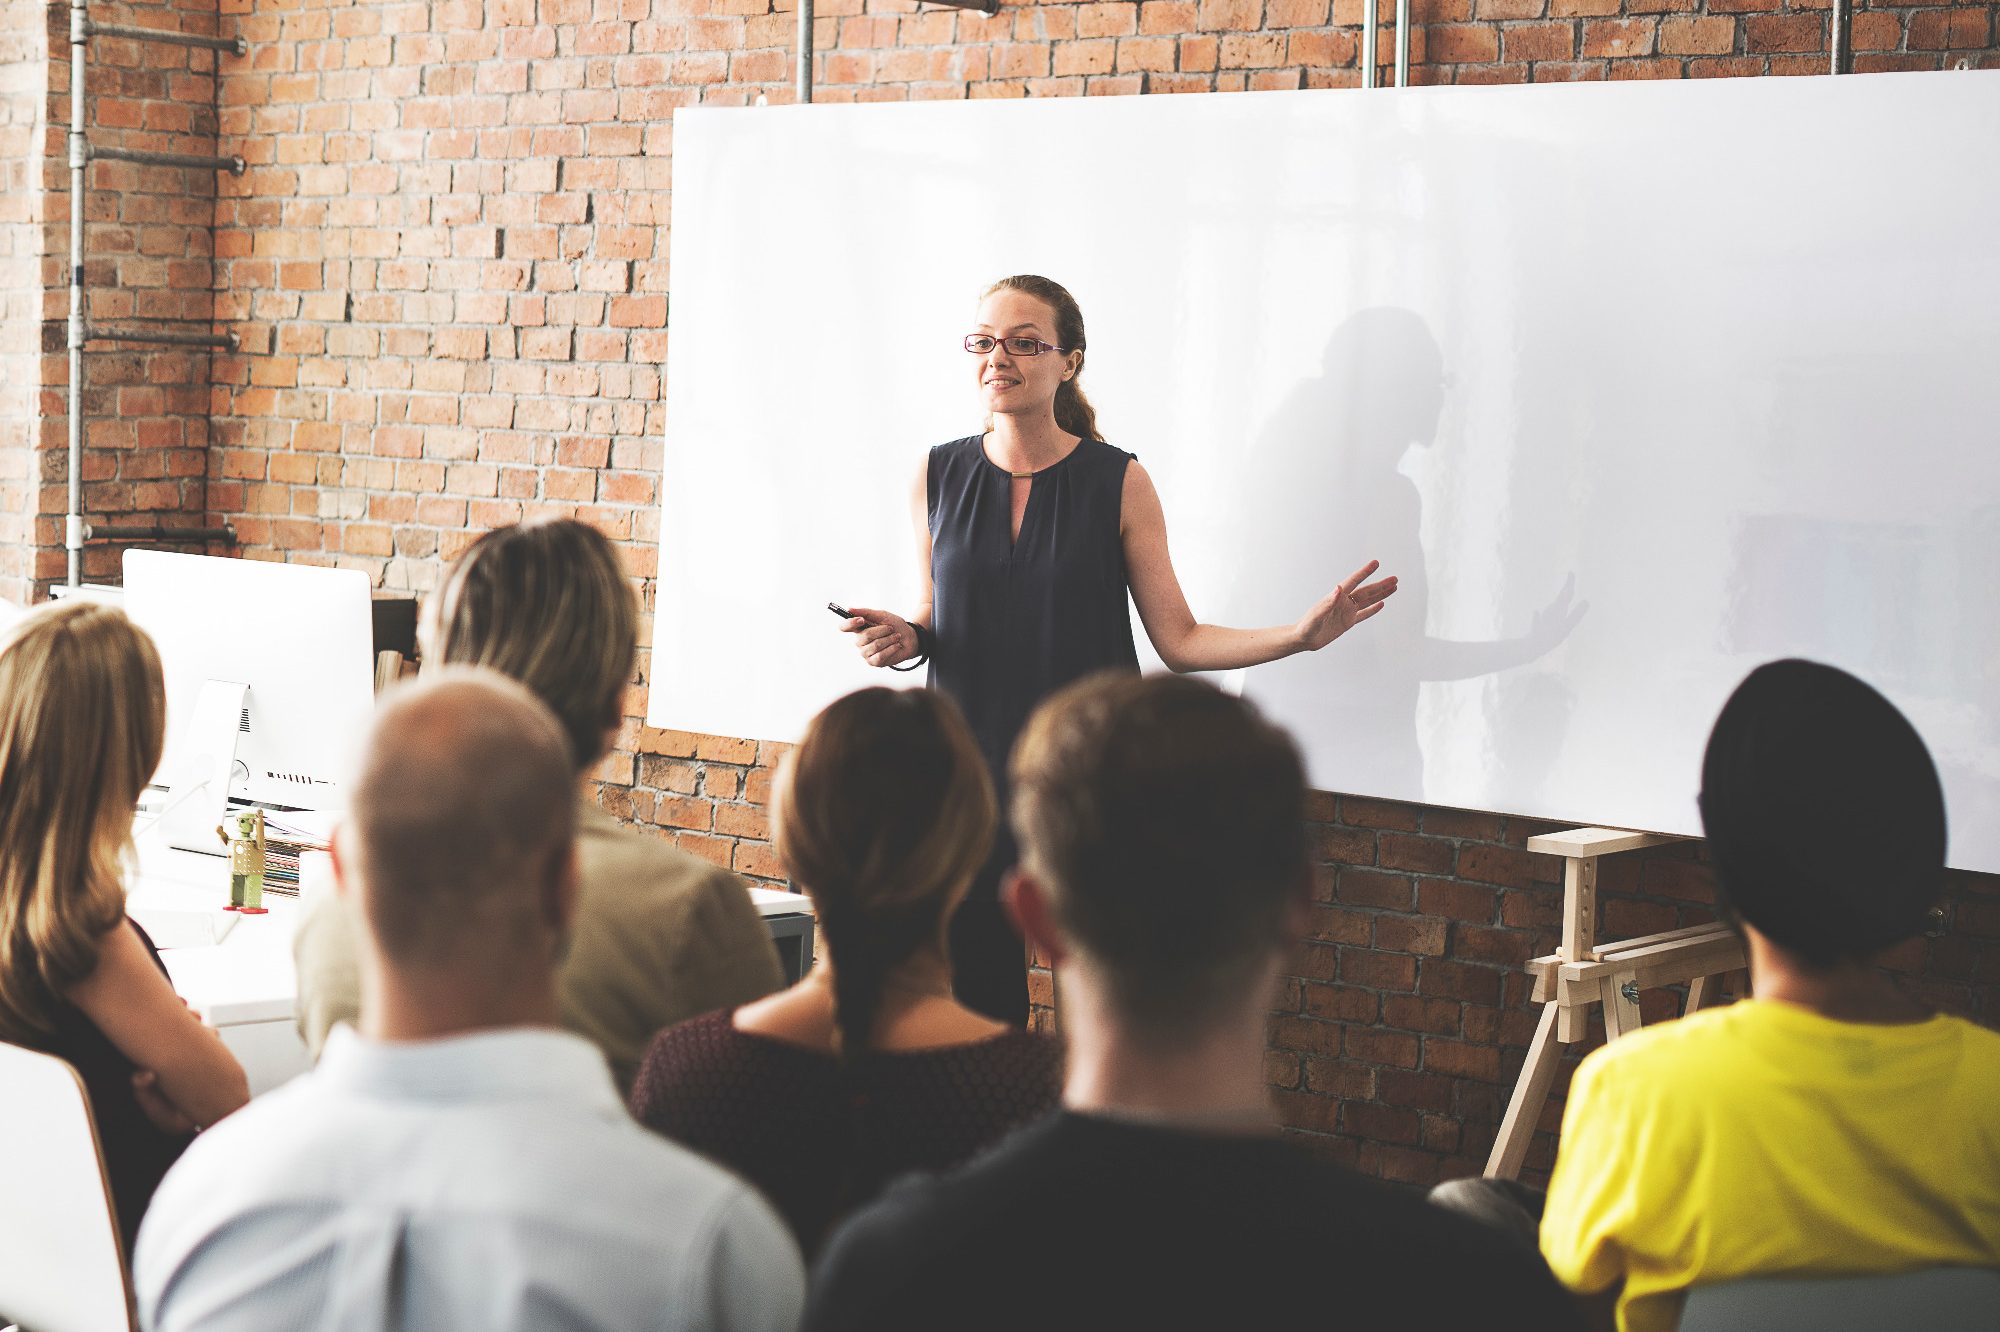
<point>1106,453</point>
<point>956,448</point>
<point>951,468</point>
<point>1103,459</point>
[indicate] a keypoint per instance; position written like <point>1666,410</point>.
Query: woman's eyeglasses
<point>979,344</point>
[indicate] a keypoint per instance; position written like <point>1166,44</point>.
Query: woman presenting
<point>1029,538</point>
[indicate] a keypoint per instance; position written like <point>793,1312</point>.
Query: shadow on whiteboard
<point>1324,489</point>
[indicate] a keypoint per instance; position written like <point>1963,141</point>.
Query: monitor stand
<point>198,794</point>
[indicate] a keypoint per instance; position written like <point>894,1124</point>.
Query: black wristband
<point>925,641</point>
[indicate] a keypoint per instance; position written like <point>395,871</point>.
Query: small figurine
<point>243,833</point>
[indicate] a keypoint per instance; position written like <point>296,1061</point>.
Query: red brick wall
<point>448,264</point>
<point>24,77</point>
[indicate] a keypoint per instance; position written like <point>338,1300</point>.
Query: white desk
<point>246,987</point>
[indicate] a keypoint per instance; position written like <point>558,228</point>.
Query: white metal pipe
<point>1370,20</point>
<point>1402,43</point>
<point>805,51</point>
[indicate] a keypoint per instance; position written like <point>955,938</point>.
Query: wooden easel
<point>1583,973</point>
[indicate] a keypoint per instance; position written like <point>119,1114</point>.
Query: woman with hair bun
<point>1029,537</point>
<point>868,1068</point>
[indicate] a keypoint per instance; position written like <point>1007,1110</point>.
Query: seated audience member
<point>660,935</point>
<point>1831,1125</point>
<point>82,713</point>
<point>458,1162</point>
<point>1165,872</point>
<point>868,1068</point>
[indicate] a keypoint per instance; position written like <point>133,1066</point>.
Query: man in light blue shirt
<point>461,1162</point>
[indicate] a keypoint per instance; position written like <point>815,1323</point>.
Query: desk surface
<point>249,976</point>
<point>771,902</point>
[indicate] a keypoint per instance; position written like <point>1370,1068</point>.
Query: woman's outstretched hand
<point>1344,607</point>
<point>884,637</point>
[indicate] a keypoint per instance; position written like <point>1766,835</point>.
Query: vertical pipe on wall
<point>1370,18</point>
<point>805,51</point>
<point>79,157</point>
<point>1402,43</point>
<point>1838,41</point>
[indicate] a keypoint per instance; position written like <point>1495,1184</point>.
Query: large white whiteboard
<point>1634,385</point>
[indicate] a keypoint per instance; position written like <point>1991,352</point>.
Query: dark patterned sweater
<point>821,1139</point>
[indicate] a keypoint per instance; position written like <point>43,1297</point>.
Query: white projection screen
<point>1635,386</point>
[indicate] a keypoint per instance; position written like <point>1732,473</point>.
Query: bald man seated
<point>460,1162</point>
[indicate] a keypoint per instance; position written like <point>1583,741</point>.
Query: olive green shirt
<point>659,936</point>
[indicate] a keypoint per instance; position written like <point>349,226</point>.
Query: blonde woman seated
<point>659,934</point>
<point>868,1068</point>
<point>82,717</point>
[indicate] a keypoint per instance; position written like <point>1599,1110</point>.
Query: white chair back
<point>62,1265</point>
<point>1936,1299</point>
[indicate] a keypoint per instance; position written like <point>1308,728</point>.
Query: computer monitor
<point>293,642</point>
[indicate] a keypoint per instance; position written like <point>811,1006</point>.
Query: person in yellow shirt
<point>1832,1125</point>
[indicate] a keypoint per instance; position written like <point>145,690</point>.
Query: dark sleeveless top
<point>137,1152</point>
<point>1017,620</point>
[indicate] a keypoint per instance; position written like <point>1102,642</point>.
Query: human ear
<point>1033,913</point>
<point>343,886</point>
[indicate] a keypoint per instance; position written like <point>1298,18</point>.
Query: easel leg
<point>1703,992</point>
<point>1531,1093</point>
<point>1621,1013</point>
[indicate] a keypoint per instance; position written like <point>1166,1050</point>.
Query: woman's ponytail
<point>1073,411</point>
<point>868,947</point>
<point>883,814</point>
